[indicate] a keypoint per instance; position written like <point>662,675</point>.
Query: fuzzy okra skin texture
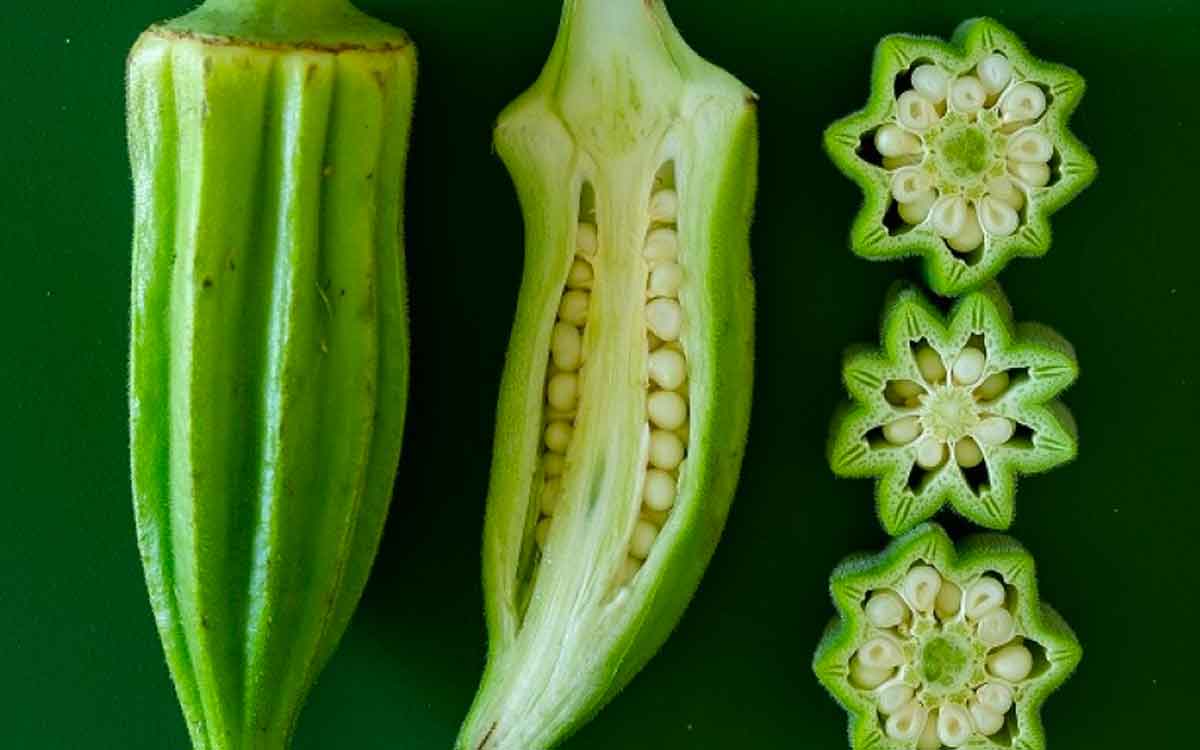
<point>626,395</point>
<point>953,408</point>
<point>269,351</point>
<point>935,647</point>
<point>962,153</point>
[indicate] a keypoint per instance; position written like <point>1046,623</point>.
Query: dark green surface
<point>1114,533</point>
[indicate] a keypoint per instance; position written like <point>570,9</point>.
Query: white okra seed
<point>893,698</point>
<point>949,215</point>
<point>1004,189</point>
<point>667,368</point>
<point>929,363</point>
<point>892,140</point>
<point>644,534</point>
<point>918,210</point>
<point>629,568</point>
<point>566,346</point>
<point>666,450</point>
<point>949,600</point>
<point>967,95</point>
<point>664,317</point>
<point>931,453</point>
<point>968,365</point>
<point>1012,663</point>
<point>573,308</point>
<point>997,217</point>
<point>993,386</point>
<point>558,436</point>
<point>586,240</point>
<point>542,532</point>
<point>971,234</point>
<point>665,280</point>
<point>906,724</point>
<point>995,430</point>
<point>954,725</point>
<point>868,678</point>
<point>551,491</point>
<point>931,82</point>
<point>1030,146</point>
<point>902,431</point>
<point>563,391</point>
<point>664,206</point>
<point>994,71</point>
<point>553,465</point>
<point>1024,101</point>
<point>910,184</point>
<point>995,696</point>
<point>580,275</point>
<point>667,409</point>
<point>915,112</point>
<point>996,628</point>
<point>967,453</point>
<point>929,735</point>
<point>658,492</point>
<point>880,652</point>
<point>661,244</point>
<point>985,595</point>
<point>1032,174</point>
<point>987,722</point>
<point>885,609</point>
<point>920,586</point>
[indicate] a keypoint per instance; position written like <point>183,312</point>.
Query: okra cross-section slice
<point>962,152</point>
<point>625,398</point>
<point>953,409</point>
<point>935,647</point>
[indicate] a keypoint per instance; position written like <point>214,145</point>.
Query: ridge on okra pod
<point>953,408</point>
<point>936,647</point>
<point>962,152</point>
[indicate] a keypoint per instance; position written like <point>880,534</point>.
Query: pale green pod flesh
<point>629,132</point>
<point>269,352</point>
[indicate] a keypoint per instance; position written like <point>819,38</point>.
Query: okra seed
<point>995,71</point>
<point>563,391</point>
<point>967,95</point>
<point>664,206</point>
<point>949,215</point>
<point>659,490</point>
<point>580,275</point>
<point>949,600</point>
<point>992,387</point>
<point>661,244</point>
<point>885,609</point>
<point>586,241</point>
<point>553,465</point>
<point>665,280</point>
<point>910,184</point>
<point>929,363</point>
<point>666,450</point>
<point>573,308</point>
<point>998,218</point>
<point>931,82</point>
<point>667,409</point>
<point>921,585</point>
<point>566,346</point>
<point>902,431</point>
<point>665,318</point>
<point>550,494</point>
<point>644,534</point>
<point>1004,189</point>
<point>915,112</point>
<point>1032,174</point>
<point>1025,101</point>
<point>929,736</point>
<point>893,698</point>
<point>667,368</point>
<point>1012,663</point>
<point>629,568</point>
<point>996,627</point>
<point>967,453</point>
<point>881,652</point>
<point>558,436</point>
<point>906,724</point>
<point>968,365</point>
<point>987,722</point>
<point>995,696</point>
<point>892,141</point>
<point>902,391</point>
<point>954,725</point>
<point>995,430</point>
<point>931,453</point>
<point>985,595</point>
<point>868,678</point>
<point>1030,146</point>
<point>542,532</point>
<point>970,236</point>
<point>917,210</point>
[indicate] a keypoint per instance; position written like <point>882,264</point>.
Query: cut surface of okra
<point>962,153</point>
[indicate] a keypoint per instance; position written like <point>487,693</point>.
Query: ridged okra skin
<point>953,408</point>
<point>962,152</point>
<point>626,394</point>
<point>269,350</point>
<point>936,647</point>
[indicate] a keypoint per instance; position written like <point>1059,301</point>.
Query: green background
<point>1114,533</point>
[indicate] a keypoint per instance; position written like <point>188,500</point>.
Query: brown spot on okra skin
<point>214,40</point>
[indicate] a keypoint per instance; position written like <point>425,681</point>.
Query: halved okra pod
<point>953,409</point>
<point>937,648</point>
<point>625,399</point>
<point>962,152</point>
<point>269,352</point>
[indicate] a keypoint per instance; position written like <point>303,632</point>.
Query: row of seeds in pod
<point>965,373</point>
<point>982,606</point>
